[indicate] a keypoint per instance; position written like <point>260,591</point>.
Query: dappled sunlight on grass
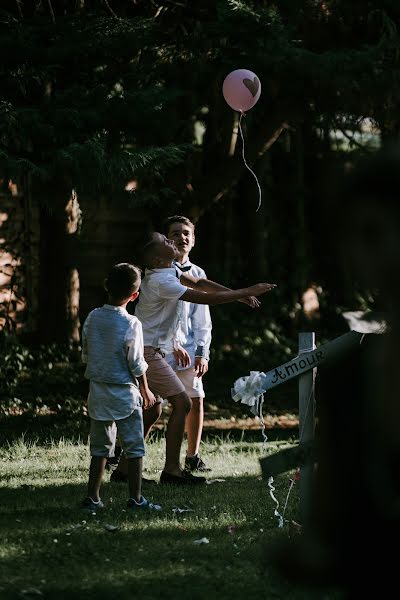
<point>73,554</point>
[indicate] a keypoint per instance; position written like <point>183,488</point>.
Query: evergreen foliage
<point>95,93</point>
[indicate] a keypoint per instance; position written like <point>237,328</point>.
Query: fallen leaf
<point>210,481</point>
<point>203,540</point>
<point>30,592</point>
<point>177,510</point>
<point>110,527</point>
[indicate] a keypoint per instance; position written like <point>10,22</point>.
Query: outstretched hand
<point>251,301</point>
<point>260,288</point>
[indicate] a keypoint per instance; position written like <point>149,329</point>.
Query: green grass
<point>50,549</point>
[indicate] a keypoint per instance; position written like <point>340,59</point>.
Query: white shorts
<point>193,385</point>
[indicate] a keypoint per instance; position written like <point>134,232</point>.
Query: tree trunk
<point>59,286</point>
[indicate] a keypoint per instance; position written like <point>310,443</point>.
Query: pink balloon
<point>241,89</point>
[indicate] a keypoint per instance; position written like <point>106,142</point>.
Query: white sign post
<point>306,422</point>
<point>311,359</point>
<point>304,366</point>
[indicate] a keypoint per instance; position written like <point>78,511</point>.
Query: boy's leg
<point>150,417</point>
<point>135,478</point>
<point>130,431</point>
<point>164,382</point>
<point>102,445</point>
<point>194,426</point>
<point>181,404</point>
<point>97,468</point>
<point>195,419</point>
<point>176,428</point>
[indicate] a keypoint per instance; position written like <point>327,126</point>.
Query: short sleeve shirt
<point>159,308</point>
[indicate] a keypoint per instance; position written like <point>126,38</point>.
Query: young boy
<point>159,311</point>
<point>195,335</point>
<point>112,343</point>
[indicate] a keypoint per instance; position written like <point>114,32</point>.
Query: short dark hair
<point>177,219</point>
<point>149,251</point>
<point>122,281</point>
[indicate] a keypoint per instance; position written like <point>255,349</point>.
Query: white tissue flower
<point>248,390</point>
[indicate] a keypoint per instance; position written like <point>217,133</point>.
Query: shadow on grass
<point>51,546</point>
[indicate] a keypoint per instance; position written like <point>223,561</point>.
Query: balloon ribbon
<point>246,164</point>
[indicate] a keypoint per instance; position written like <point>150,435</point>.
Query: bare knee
<point>181,402</point>
<point>197,405</point>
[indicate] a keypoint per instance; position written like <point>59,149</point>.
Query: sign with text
<point>309,360</point>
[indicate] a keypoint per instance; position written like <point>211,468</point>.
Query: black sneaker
<point>117,476</point>
<point>185,479</point>
<point>195,463</point>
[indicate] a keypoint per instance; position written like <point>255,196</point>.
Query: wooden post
<point>306,423</point>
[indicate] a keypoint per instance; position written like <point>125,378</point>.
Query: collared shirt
<point>195,325</point>
<point>159,309</point>
<point>112,348</point>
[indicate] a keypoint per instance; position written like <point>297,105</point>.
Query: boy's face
<point>183,236</point>
<point>166,249</point>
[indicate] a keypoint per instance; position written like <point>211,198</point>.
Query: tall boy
<point>195,330</point>
<point>112,343</point>
<point>159,310</point>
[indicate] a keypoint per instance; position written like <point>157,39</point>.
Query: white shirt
<point>195,326</point>
<point>159,309</point>
<point>112,348</point>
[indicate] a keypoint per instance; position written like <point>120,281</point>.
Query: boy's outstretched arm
<point>224,296</point>
<point>206,285</point>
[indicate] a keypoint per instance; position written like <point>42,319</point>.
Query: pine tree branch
<point>18,3</point>
<point>53,18</point>
<point>274,137</point>
<point>110,10</point>
<point>350,138</point>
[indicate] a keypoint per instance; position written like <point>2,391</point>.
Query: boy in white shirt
<point>195,329</point>
<point>112,341</point>
<point>159,310</point>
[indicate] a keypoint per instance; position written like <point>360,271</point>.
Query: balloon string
<point>271,486</point>
<point>292,482</point>
<point>261,418</point>
<point>272,494</point>
<point>247,166</point>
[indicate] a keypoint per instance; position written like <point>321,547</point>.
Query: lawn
<point>51,549</point>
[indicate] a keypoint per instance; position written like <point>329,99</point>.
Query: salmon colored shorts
<point>162,379</point>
